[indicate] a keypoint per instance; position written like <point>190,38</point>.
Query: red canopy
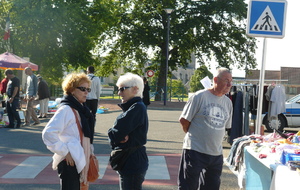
<point>14,62</point>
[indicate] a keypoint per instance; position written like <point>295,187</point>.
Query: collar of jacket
<point>126,106</point>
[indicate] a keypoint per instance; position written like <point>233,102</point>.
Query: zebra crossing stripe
<point>29,168</point>
<point>103,162</point>
<point>34,165</point>
<point>157,168</point>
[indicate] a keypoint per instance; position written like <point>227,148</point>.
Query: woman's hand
<point>69,160</point>
<point>125,139</point>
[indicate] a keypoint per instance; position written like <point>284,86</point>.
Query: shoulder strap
<point>78,125</point>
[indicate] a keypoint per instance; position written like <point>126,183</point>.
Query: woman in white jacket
<point>61,134</point>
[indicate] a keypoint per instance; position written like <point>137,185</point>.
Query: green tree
<point>177,89</point>
<point>198,75</point>
<point>208,28</point>
<point>57,35</point>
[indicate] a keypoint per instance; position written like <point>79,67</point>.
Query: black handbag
<point>118,157</point>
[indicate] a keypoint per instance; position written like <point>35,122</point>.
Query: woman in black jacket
<point>130,131</point>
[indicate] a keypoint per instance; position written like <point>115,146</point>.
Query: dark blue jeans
<point>199,171</point>
<point>131,181</point>
<point>12,112</point>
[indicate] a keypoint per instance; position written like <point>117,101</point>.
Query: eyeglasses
<point>84,89</point>
<point>123,88</point>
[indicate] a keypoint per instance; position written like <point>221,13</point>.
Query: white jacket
<point>61,136</point>
<point>95,87</point>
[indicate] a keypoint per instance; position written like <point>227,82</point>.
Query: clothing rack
<point>246,99</point>
<point>256,80</point>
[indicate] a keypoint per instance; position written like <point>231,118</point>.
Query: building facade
<point>287,76</point>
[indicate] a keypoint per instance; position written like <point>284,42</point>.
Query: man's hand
<point>185,124</point>
<point>11,100</point>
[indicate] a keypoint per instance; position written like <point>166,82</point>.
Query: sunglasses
<point>84,89</point>
<point>123,88</point>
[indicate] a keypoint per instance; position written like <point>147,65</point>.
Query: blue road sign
<point>266,18</point>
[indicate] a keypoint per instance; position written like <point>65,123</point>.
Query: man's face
<point>9,76</point>
<point>224,83</point>
<point>28,72</point>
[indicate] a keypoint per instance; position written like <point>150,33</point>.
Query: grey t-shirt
<point>209,116</point>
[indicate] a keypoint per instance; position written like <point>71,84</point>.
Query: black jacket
<point>134,123</point>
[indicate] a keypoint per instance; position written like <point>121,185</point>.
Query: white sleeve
<point>56,129</point>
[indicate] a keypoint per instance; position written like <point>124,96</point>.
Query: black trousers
<point>93,106</point>
<point>69,177</point>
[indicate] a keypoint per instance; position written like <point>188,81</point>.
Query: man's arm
<point>35,85</point>
<point>185,124</point>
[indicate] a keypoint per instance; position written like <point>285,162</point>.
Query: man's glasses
<point>83,88</point>
<point>123,88</point>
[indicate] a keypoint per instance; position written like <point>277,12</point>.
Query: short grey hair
<point>219,72</point>
<point>131,80</point>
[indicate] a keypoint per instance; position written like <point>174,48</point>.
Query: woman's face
<point>81,92</point>
<point>127,92</point>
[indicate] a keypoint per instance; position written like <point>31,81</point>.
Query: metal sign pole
<point>261,89</point>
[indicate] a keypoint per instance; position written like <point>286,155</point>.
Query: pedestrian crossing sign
<point>266,18</point>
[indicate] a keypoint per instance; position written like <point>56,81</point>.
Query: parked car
<point>291,118</point>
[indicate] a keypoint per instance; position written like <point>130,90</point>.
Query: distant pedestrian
<point>3,85</point>
<point>93,97</point>
<point>146,95</point>
<point>31,93</point>
<point>12,103</point>
<point>204,119</point>
<point>43,96</point>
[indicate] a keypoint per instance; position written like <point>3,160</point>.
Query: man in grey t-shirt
<point>204,119</point>
<point>31,93</point>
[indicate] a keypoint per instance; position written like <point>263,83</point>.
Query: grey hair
<point>219,72</point>
<point>131,80</point>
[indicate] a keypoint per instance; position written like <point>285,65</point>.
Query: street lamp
<point>168,11</point>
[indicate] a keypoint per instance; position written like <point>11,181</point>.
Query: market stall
<point>267,161</point>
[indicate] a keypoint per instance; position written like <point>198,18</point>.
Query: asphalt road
<point>164,137</point>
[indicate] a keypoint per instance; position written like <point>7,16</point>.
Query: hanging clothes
<point>268,98</point>
<point>278,98</point>
<point>237,117</point>
<point>254,101</point>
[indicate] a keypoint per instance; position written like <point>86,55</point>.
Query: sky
<point>281,52</point>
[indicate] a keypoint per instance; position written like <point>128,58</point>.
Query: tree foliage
<point>57,35</point>
<point>72,34</point>
<point>178,89</point>
<point>198,75</point>
<point>212,29</point>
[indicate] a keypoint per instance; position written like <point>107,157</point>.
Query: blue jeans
<point>131,181</point>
